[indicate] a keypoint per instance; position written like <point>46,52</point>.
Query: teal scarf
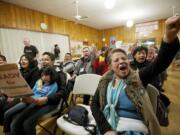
<point>112,100</point>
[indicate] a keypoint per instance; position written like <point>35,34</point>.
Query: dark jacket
<point>56,52</point>
<point>136,65</point>
<point>145,74</point>
<point>61,93</point>
<point>156,81</point>
<point>31,75</point>
<point>85,64</point>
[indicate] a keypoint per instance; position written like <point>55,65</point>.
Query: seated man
<point>84,66</point>
<point>68,65</point>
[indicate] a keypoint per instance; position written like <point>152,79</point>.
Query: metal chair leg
<point>45,129</point>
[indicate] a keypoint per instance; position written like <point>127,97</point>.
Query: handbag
<point>78,115</point>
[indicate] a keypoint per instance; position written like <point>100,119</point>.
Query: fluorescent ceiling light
<point>129,23</point>
<point>109,4</point>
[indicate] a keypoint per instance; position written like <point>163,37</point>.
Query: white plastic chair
<point>84,84</point>
<point>153,95</point>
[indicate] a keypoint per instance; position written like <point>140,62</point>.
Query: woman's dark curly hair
<point>48,70</point>
<point>32,63</point>
<point>139,49</point>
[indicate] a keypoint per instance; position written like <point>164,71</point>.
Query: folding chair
<point>153,95</point>
<point>55,114</point>
<point>85,84</point>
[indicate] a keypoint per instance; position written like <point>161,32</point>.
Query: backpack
<point>78,115</point>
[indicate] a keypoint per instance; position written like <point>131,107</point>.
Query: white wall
<point>11,42</point>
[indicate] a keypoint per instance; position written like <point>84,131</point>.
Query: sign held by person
<point>12,83</point>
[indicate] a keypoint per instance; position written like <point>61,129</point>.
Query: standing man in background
<point>56,51</point>
<point>29,49</point>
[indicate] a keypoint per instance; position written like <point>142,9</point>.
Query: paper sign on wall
<point>112,42</point>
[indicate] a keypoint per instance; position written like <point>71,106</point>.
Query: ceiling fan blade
<point>78,17</point>
<point>83,17</point>
<point>77,8</point>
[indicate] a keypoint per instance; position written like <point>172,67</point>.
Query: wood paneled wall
<point>13,16</point>
<point>128,35</point>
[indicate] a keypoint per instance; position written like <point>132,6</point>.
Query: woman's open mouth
<point>122,66</point>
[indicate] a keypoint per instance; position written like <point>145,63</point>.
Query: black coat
<point>61,93</point>
<point>31,75</point>
<point>156,81</point>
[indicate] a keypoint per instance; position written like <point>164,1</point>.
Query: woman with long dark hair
<point>29,69</point>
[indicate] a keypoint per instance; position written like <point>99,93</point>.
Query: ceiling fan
<point>78,17</point>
